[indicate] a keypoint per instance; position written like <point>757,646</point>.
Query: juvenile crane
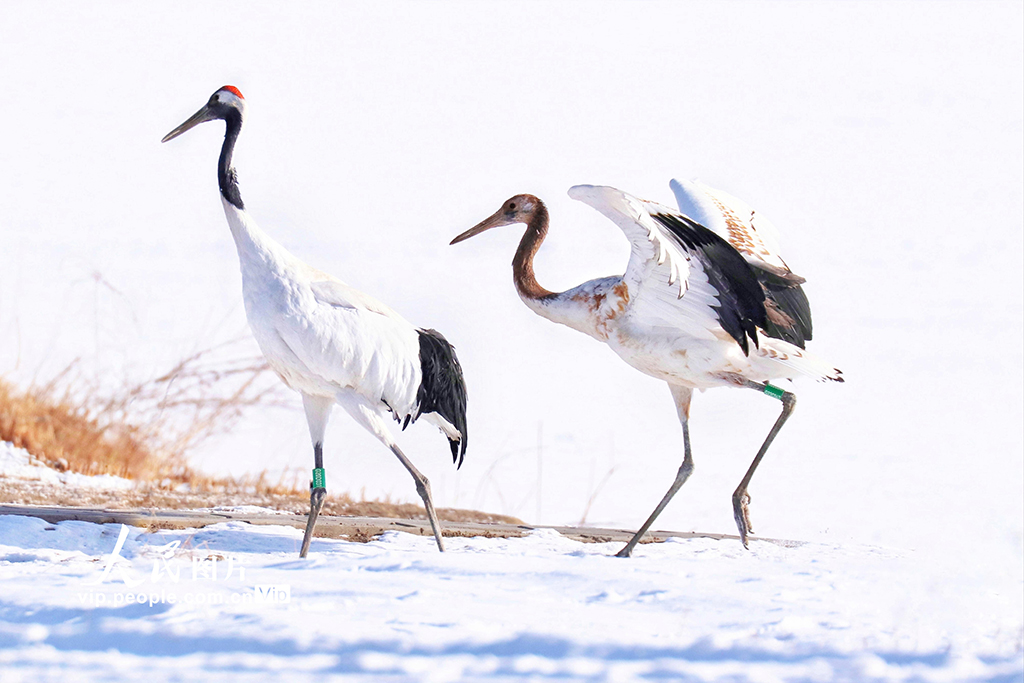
<point>332,343</point>
<point>694,308</point>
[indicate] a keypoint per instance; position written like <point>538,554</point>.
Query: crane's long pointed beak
<point>495,221</point>
<point>201,116</point>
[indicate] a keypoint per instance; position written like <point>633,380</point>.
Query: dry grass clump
<point>143,430</point>
<point>65,436</point>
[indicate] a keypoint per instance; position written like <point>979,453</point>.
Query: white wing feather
<point>668,288</point>
<point>334,292</point>
<point>753,235</point>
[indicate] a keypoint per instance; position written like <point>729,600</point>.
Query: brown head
<point>523,208</point>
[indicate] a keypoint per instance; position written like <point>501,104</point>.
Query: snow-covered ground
<point>17,463</point>
<point>885,140</point>
<point>84,601</point>
<point>235,603</point>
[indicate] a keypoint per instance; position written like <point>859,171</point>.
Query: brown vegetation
<point>143,431</point>
<point>140,431</point>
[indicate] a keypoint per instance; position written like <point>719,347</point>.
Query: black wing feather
<point>791,318</point>
<point>741,300</point>
<point>443,388</point>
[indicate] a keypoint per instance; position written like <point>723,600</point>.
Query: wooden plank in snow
<point>352,528</point>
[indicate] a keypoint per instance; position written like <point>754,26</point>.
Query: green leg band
<point>774,392</point>
<point>319,478</point>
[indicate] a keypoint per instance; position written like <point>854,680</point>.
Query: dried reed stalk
<point>141,430</point>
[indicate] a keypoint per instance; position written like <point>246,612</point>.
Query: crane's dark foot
<point>627,550</point>
<point>745,505</point>
<point>316,502</point>
<point>741,512</point>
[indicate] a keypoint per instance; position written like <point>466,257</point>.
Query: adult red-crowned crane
<point>332,343</point>
<point>694,308</point>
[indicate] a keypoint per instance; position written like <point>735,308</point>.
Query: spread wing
<point>757,239</point>
<point>681,276</point>
<point>753,235</point>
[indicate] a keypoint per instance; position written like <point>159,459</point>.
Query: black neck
<point>226,176</point>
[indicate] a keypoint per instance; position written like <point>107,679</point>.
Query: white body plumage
<point>662,316</point>
<point>321,336</point>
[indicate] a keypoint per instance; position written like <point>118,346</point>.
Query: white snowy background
<point>885,140</point>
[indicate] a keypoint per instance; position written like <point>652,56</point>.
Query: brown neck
<point>522,264</point>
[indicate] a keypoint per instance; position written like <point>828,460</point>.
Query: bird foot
<point>746,512</point>
<point>741,512</point>
<point>316,502</point>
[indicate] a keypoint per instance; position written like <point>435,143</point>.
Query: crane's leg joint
<point>788,398</point>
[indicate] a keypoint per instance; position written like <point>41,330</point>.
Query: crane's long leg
<point>318,410</point>
<point>317,494</point>
<point>422,488</point>
<point>740,497</point>
<point>681,396</point>
<point>366,415</point>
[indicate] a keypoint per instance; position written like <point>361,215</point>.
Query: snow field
<point>537,608</point>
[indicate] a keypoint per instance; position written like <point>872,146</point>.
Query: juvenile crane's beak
<point>496,221</point>
<point>201,116</point>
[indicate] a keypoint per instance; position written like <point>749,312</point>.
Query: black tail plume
<point>443,388</point>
